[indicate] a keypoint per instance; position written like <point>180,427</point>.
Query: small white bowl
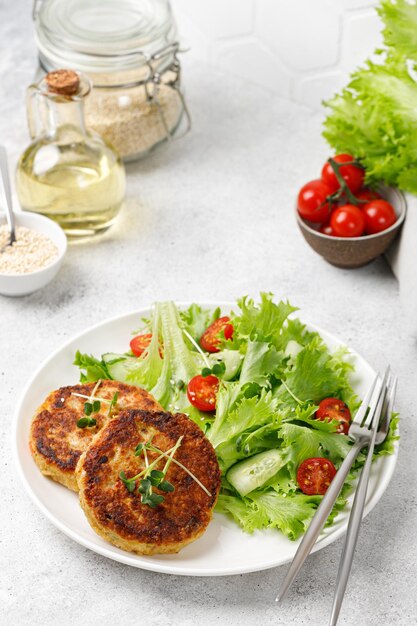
<point>23,284</point>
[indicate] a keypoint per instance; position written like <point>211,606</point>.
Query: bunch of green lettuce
<point>375,116</point>
<point>400,26</point>
<point>276,372</point>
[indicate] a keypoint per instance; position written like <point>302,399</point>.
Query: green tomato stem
<point>343,185</point>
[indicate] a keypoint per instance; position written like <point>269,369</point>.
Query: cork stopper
<point>63,82</point>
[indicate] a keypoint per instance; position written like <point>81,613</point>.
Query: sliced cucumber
<point>232,360</point>
<point>118,365</point>
<point>254,472</point>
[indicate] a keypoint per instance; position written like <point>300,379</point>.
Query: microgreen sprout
<point>152,477</point>
<point>113,403</point>
<point>93,405</point>
<point>217,370</point>
<point>197,347</point>
<point>85,422</point>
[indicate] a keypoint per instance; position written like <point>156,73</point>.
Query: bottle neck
<point>66,120</point>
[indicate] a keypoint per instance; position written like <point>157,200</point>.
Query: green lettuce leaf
<point>315,375</point>
<point>258,366</point>
<point>195,319</point>
<point>249,414</point>
<point>166,377</point>
<point>306,415</point>
<point>295,330</point>
<point>262,322</point>
<point>301,442</point>
<point>261,363</point>
<point>388,446</point>
<point>282,482</point>
<point>92,369</point>
<point>400,30</point>
<point>291,514</point>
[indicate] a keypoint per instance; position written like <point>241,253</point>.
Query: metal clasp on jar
<point>170,77</point>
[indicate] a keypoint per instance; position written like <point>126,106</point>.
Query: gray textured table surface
<point>210,218</point>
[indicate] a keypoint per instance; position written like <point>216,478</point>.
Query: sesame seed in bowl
<point>34,259</point>
<point>31,251</point>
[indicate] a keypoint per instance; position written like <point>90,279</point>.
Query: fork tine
<point>361,412</point>
<point>377,400</point>
<point>387,409</point>
<point>391,398</point>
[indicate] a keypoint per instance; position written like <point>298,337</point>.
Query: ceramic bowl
<point>355,251</point>
<point>23,284</point>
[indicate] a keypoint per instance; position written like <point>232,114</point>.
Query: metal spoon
<point>7,195</point>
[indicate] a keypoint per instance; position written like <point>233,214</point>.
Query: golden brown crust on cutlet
<point>57,442</point>
<point>119,516</point>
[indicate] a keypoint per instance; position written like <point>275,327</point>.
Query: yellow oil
<point>79,184</point>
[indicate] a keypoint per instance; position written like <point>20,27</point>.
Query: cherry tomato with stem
<point>348,221</point>
<point>202,392</point>
<point>312,201</point>
<point>335,409</point>
<point>379,215</point>
<point>210,339</point>
<point>353,175</point>
<point>315,475</point>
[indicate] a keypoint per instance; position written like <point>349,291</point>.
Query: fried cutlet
<point>119,515</point>
<point>57,442</point>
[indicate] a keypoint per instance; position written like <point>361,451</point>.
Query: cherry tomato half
<point>379,215</point>
<point>210,339</point>
<point>202,392</point>
<point>348,221</point>
<point>312,201</point>
<point>367,195</point>
<point>140,343</point>
<point>352,174</point>
<point>335,409</point>
<point>315,475</point>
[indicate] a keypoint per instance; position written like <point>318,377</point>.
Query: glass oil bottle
<point>67,173</point>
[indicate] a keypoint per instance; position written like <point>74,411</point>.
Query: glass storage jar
<point>129,50</point>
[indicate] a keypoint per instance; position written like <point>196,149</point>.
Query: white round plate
<point>224,549</point>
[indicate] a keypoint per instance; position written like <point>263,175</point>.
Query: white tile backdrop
<point>301,49</point>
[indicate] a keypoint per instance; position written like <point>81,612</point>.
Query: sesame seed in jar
<point>30,252</point>
<point>129,120</point>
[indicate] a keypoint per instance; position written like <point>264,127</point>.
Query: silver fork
<point>361,431</point>
<point>355,518</point>
<point>7,196</point>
